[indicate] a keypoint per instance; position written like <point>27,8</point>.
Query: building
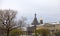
<point>40,25</point>
<point>35,23</point>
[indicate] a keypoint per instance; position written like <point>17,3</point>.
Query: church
<point>40,25</point>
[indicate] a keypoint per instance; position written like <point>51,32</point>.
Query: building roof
<point>35,21</point>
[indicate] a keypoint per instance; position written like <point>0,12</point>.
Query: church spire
<point>35,22</point>
<point>35,15</point>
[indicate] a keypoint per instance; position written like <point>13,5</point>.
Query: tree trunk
<point>8,32</point>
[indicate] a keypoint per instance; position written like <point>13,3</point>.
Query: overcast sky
<point>48,9</point>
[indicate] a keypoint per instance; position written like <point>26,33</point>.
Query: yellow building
<point>52,27</point>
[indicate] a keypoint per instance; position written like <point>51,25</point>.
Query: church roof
<point>35,22</point>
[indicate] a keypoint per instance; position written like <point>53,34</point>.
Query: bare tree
<point>7,20</point>
<point>22,23</point>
